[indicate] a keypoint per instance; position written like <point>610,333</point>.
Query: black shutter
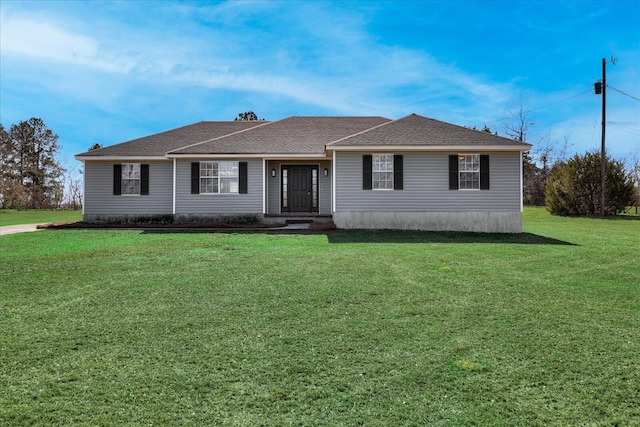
<point>453,172</point>
<point>117,179</point>
<point>397,172</point>
<point>144,179</point>
<point>242,180</point>
<point>195,178</point>
<point>367,175</point>
<point>484,171</point>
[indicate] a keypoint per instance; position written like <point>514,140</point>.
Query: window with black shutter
<point>382,172</point>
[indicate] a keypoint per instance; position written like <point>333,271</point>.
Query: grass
<point>335,328</point>
<point>37,216</point>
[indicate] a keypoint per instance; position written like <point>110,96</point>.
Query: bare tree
<point>73,186</point>
<point>538,163</point>
<point>517,125</point>
<point>632,165</point>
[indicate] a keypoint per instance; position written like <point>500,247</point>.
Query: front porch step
<point>297,219</point>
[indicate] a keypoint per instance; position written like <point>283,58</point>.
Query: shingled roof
<point>293,135</point>
<point>161,143</point>
<point>300,135</point>
<point>423,131</point>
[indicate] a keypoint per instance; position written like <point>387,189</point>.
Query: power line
<point>626,94</point>
<point>540,108</point>
<point>633,131</point>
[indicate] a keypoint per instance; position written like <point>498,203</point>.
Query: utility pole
<point>601,88</point>
<point>603,153</point>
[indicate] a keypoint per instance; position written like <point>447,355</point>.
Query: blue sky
<point>108,72</point>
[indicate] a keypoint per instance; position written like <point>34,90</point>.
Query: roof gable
<point>416,130</point>
<point>161,143</point>
<point>293,135</point>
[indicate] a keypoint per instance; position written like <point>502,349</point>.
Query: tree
<point>519,127</point>
<point>247,116</point>
<point>31,176</point>
<point>12,192</point>
<point>633,166</point>
<point>533,177</point>
<point>537,166</point>
<point>73,185</point>
<point>574,186</point>
<point>538,163</point>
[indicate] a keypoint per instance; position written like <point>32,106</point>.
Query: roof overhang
<point>123,158</point>
<point>441,148</point>
<point>248,156</point>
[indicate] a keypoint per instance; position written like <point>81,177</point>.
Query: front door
<point>299,188</point>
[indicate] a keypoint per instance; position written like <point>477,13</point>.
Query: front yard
<point>110,327</point>
<point>37,216</point>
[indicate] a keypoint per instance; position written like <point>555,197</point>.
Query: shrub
<point>574,187</point>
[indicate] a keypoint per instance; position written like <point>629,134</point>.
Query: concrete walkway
<point>22,228</point>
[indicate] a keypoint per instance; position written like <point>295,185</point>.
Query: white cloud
<point>46,41</point>
<point>340,67</point>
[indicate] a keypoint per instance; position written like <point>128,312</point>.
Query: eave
<point>431,148</point>
<point>276,156</point>
<point>122,158</point>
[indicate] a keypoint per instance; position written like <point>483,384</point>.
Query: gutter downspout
<point>333,182</point>
<point>174,188</point>
<point>264,186</point>
<point>521,185</point>
<point>84,184</point>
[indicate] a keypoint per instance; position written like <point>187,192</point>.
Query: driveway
<point>22,228</point>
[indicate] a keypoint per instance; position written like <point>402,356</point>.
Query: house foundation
<point>479,222</point>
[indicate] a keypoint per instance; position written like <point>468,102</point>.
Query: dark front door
<point>301,184</point>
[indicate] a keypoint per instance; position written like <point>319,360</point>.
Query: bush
<point>574,187</point>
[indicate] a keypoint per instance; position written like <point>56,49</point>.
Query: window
<point>314,188</point>
<point>130,179</point>
<point>382,171</point>
<point>285,188</point>
<point>219,177</point>
<point>469,170</point>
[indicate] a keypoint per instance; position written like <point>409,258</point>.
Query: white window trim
<point>219,178</point>
<point>373,172</point>
<point>461,171</point>
<point>122,179</point>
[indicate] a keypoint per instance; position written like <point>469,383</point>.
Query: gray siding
<point>99,198</point>
<point>426,186</point>
<point>274,189</point>
<point>213,204</point>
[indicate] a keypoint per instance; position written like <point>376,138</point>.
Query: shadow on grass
<point>388,236</point>
<point>623,217</point>
<point>342,236</point>
<point>385,236</point>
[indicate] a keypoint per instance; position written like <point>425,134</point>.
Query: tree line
<point>30,175</point>
<point>572,186</point>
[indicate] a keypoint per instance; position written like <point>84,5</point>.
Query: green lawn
<point>108,327</point>
<point>37,216</point>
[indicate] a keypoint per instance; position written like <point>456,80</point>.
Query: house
<point>363,172</point>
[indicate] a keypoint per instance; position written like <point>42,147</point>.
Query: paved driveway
<point>22,228</point>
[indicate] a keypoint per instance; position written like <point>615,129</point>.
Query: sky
<point>108,72</point>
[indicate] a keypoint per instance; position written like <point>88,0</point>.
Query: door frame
<point>311,166</point>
